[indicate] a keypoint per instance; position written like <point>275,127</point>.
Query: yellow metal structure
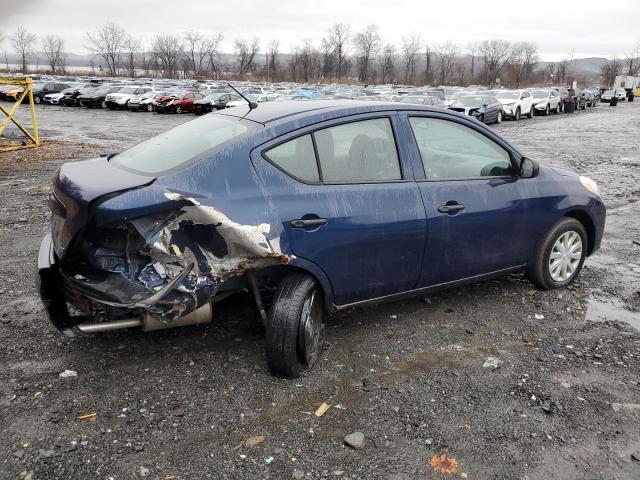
<point>27,85</point>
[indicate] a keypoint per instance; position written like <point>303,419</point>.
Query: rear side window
<point>181,145</point>
<point>453,151</point>
<point>297,158</point>
<point>358,152</point>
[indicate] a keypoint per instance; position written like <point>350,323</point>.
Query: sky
<point>556,27</point>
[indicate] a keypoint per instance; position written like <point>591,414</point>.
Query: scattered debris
<point>269,460</point>
<point>625,406</point>
<point>322,409</point>
<point>87,416</point>
<point>549,406</point>
<point>492,362</point>
<point>538,316</point>
<point>143,471</point>
<point>444,464</point>
<point>355,440</point>
<point>297,474</point>
<point>249,442</point>
<point>68,373</point>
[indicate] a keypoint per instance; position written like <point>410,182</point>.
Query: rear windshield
<point>182,145</point>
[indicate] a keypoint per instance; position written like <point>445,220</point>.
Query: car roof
<point>273,111</point>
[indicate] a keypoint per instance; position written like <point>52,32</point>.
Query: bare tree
<point>610,71</point>
<point>338,38</point>
<point>388,63</point>
<point>524,56</point>
<point>195,49</point>
<point>212,47</point>
<point>107,42</point>
<point>246,54</point>
<point>633,60</point>
<point>131,47</point>
<point>367,44</point>
<point>473,50</point>
<point>495,54</point>
<point>428,65</point>
<point>410,48</point>
<point>273,51</point>
<point>445,53</point>
<point>23,42</point>
<point>53,48</point>
<point>168,49</point>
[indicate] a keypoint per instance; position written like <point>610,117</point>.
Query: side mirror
<point>529,168</point>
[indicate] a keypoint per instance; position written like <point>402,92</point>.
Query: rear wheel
<point>499,119</point>
<point>557,108</point>
<point>103,104</point>
<point>560,256</point>
<point>36,99</point>
<point>149,107</point>
<point>178,109</point>
<point>530,114</point>
<point>295,329</point>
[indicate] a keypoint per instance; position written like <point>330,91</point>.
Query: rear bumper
<point>49,283</point>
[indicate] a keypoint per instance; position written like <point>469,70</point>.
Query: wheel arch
<point>587,222</point>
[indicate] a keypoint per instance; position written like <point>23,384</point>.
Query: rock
<point>538,316</point>
<point>297,474</point>
<point>68,374</point>
<point>492,362</point>
<point>46,453</point>
<point>144,471</point>
<point>625,406</point>
<point>355,440</point>
<point>549,406</point>
<point>18,453</point>
<point>468,331</point>
<point>138,448</point>
<point>635,456</point>
<point>179,412</point>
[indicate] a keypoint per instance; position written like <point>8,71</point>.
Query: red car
<point>177,103</point>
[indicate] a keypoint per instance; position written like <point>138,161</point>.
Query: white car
<point>620,94</point>
<point>516,103</point>
<point>121,98</point>
<point>55,98</point>
<point>546,100</point>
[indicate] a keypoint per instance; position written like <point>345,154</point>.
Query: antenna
<point>252,105</point>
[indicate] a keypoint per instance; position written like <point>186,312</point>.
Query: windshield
<point>180,145</point>
<point>127,90</point>
<point>508,95</point>
<point>468,102</point>
<point>540,93</point>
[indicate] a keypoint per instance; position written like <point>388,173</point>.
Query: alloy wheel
<point>565,256</point>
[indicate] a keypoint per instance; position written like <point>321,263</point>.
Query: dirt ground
<point>199,403</point>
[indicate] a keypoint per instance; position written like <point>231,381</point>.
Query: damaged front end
<point>155,270</point>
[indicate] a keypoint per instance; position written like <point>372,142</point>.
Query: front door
<point>348,204</point>
<point>477,208</point>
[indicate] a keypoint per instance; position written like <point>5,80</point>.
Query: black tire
<point>558,108</point>
<point>481,118</point>
<point>294,341</point>
<point>530,114</point>
<point>37,100</point>
<point>499,118</point>
<point>516,117</point>
<point>547,111</point>
<point>149,107</point>
<point>103,104</point>
<point>539,272</point>
<point>178,109</point>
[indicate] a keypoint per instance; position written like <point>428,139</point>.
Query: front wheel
<point>178,109</point>
<point>530,114</point>
<point>558,108</point>
<point>499,119</point>
<point>560,256</point>
<point>516,117</point>
<point>547,111</point>
<point>103,104</point>
<point>295,328</point>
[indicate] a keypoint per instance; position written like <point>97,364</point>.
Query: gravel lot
<point>199,402</point>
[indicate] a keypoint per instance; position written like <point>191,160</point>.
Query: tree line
<point>341,55</point>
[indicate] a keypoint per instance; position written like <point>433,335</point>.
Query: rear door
<point>348,203</point>
<point>477,208</point>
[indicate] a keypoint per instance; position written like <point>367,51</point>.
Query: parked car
<point>619,93</point>
<point>546,100</point>
<point>58,98</point>
<point>425,100</point>
<point>486,108</point>
<point>325,205</point>
<point>516,103</point>
<point>97,97</point>
<point>71,99</point>
<point>11,93</point>
<point>177,103</point>
<point>563,92</point>
<point>590,98</point>
<point>42,89</point>
<point>120,99</point>
<point>143,101</point>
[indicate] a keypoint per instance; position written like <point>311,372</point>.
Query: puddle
<point>598,311</point>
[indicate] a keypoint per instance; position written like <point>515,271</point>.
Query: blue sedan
<point>324,205</point>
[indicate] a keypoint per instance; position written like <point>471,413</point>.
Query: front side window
<point>297,158</point>
<point>362,151</point>
<point>181,145</point>
<point>453,151</point>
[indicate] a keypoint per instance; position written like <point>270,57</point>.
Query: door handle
<point>308,222</point>
<point>456,207</point>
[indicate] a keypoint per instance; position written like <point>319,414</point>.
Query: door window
<point>361,151</point>
<point>453,151</point>
<point>297,158</point>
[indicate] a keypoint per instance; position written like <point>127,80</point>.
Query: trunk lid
<point>77,188</point>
